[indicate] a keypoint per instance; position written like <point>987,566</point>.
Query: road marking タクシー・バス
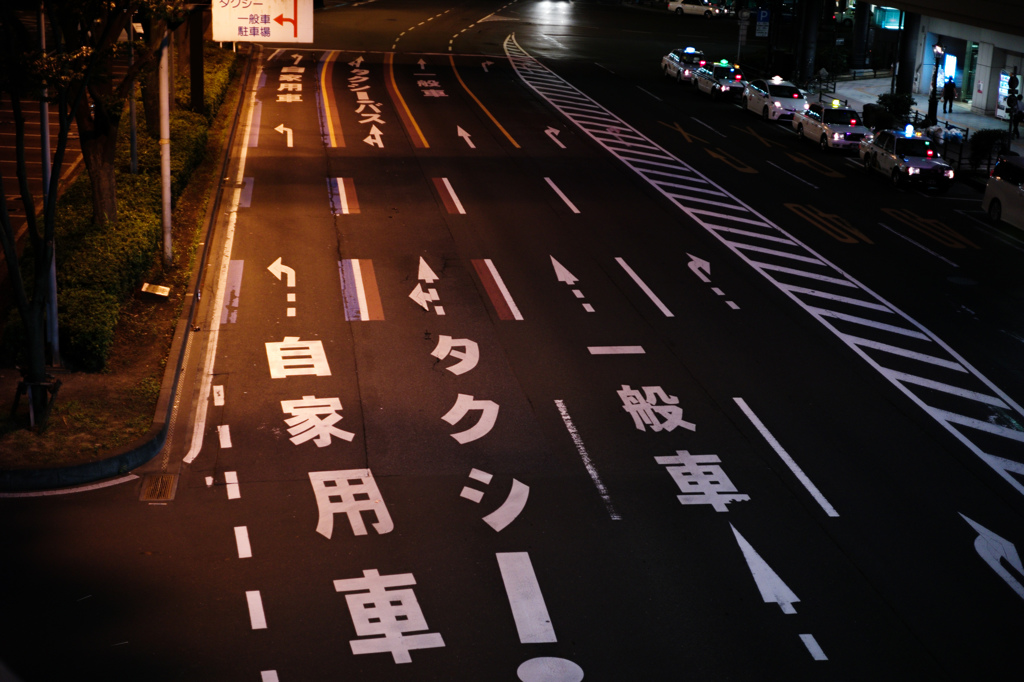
<point>919,364</point>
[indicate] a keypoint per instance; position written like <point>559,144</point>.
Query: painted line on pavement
<point>559,192</point>
<point>68,491</point>
<point>616,350</point>
<point>256,617</point>
<point>524,596</point>
<point>411,126</point>
<point>268,676</point>
<point>448,197</point>
<point>359,291</point>
<point>242,540</point>
<point>813,647</point>
<point>481,104</point>
<point>789,461</point>
<point>330,123</point>
<point>646,289</point>
<point>224,435</point>
<point>496,290</point>
<point>231,484</point>
<point>229,311</point>
<point>920,246</point>
<point>343,196</point>
<point>585,456</point>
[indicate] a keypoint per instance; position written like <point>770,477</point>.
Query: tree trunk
<point>97,135</point>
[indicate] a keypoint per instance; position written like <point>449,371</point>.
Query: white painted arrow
<point>465,136</point>
<point>562,273</point>
<point>422,63</point>
<point>356,62</point>
<point>992,548</point>
<point>700,267</point>
<point>768,582</point>
<point>277,269</point>
<point>553,132</point>
<point>425,274</point>
<point>485,65</point>
<point>375,138</point>
<point>287,132</point>
<point>423,297</point>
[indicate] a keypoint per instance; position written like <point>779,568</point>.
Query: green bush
<point>88,319</point>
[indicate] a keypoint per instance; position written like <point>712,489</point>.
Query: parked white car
<point>1004,193</point>
<point>680,64</point>
<point>701,8</point>
<point>832,125</point>
<point>906,157</point>
<point>775,99</point>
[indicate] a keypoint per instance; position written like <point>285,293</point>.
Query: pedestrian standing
<point>1017,114</point>
<point>948,95</point>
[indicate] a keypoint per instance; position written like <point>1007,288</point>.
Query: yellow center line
<point>408,118</point>
<point>481,104</point>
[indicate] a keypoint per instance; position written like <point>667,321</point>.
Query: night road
<point>520,361</point>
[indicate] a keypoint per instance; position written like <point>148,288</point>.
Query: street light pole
<point>933,98</point>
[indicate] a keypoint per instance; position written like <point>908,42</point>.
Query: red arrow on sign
<point>280,18</point>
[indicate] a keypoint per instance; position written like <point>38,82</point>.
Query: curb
<point>146,448</point>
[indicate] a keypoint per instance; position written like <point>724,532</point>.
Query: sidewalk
<point>861,92</point>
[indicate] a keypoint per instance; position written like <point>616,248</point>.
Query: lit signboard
<point>266,21</point>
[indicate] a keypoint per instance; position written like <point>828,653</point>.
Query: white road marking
<point>503,289</point>
<point>789,462</point>
<point>923,248</point>
<point>455,198</point>
<point>268,676</point>
<point>616,350</point>
<point>472,494</point>
<point>224,434</point>
<point>231,483</point>
<point>813,647</point>
<point>242,540</point>
<point>591,469</point>
<point>646,289</point>
<point>795,177</point>
<point>528,609</point>
<point>769,584</point>
<point>510,509</point>
<point>218,396</point>
<point>481,476</point>
<point>256,617</point>
<point>559,192</point>
<point>68,491</point>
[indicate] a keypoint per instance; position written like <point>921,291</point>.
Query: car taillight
<point>930,152</point>
<point>853,121</point>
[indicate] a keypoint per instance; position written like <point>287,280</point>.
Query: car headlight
<point>777,104</point>
<point>948,173</point>
<point>911,170</point>
<point>837,136</point>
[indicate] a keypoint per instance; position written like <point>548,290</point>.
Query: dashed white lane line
<point>646,289</point>
<point>256,617</point>
<point>242,540</point>
<point>268,676</point>
<point>572,206</point>
<point>813,647</point>
<point>585,456</point>
<point>231,479</point>
<point>616,350</point>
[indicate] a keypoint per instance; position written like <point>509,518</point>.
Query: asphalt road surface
<point>519,361</point>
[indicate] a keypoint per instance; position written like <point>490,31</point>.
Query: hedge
<point>99,267</point>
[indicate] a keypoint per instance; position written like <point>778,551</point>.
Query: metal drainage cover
<point>158,487</point>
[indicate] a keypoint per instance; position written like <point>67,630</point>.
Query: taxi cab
<point>680,64</point>
<point>906,157</point>
<point>719,79</point>
<point>833,125</point>
<point>774,99</point>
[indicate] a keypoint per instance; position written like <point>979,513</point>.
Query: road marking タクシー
<point>496,290</point>
<point>524,596</point>
<point>646,289</point>
<point>585,456</point>
<point>256,617</point>
<point>785,457</point>
<point>886,338</point>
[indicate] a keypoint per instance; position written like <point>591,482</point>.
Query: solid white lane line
<point>559,192</point>
<point>616,350</point>
<point>68,491</point>
<point>795,177</point>
<point>242,540</point>
<point>793,466</point>
<point>503,289</point>
<point>231,480</point>
<point>646,289</point>
<point>528,609</point>
<point>813,647</point>
<point>923,248</point>
<point>451,193</point>
<point>256,617</point>
<point>591,469</point>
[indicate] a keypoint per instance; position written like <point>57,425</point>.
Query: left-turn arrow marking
<point>287,132</point>
<point>277,269</point>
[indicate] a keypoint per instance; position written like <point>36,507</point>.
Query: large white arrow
<point>422,64</point>
<point>701,268</point>
<point>425,274</point>
<point>465,136</point>
<point>375,138</point>
<point>768,582</point>
<point>287,133</point>
<point>277,269</point>
<point>553,132</point>
<point>992,548</point>
<point>562,273</point>
<point>423,297</point>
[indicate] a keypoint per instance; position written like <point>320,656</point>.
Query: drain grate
<point>158,487</point>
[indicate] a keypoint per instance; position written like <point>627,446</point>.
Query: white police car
<point>720,79</point>
<point>832,125</point>
<point>775,99</point>
<point>701,8</point>
<point>906,157</point>
<point>680,64</point>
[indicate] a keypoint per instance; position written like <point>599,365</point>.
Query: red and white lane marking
<point>496,290</point>
<point>572,206</point>
<point>448,196</point>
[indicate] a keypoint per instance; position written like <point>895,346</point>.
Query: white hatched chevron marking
<point>981,409</point>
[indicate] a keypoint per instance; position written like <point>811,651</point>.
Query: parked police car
<point>680,64</point>
<point>832,125</point>
<point>906,157</point>
<point>775,99</point>
<point>719,79</point>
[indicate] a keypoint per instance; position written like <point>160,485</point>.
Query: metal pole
<point>165,144</point>
<point>131,100</point>
<point>52,330</point>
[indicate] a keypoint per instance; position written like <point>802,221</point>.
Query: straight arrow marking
<point>992,548</point>
<point>700,267</point>
<point>425,274</point>
<point>465,136</point>
<point>768,582</point>
<point>562,273</point>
